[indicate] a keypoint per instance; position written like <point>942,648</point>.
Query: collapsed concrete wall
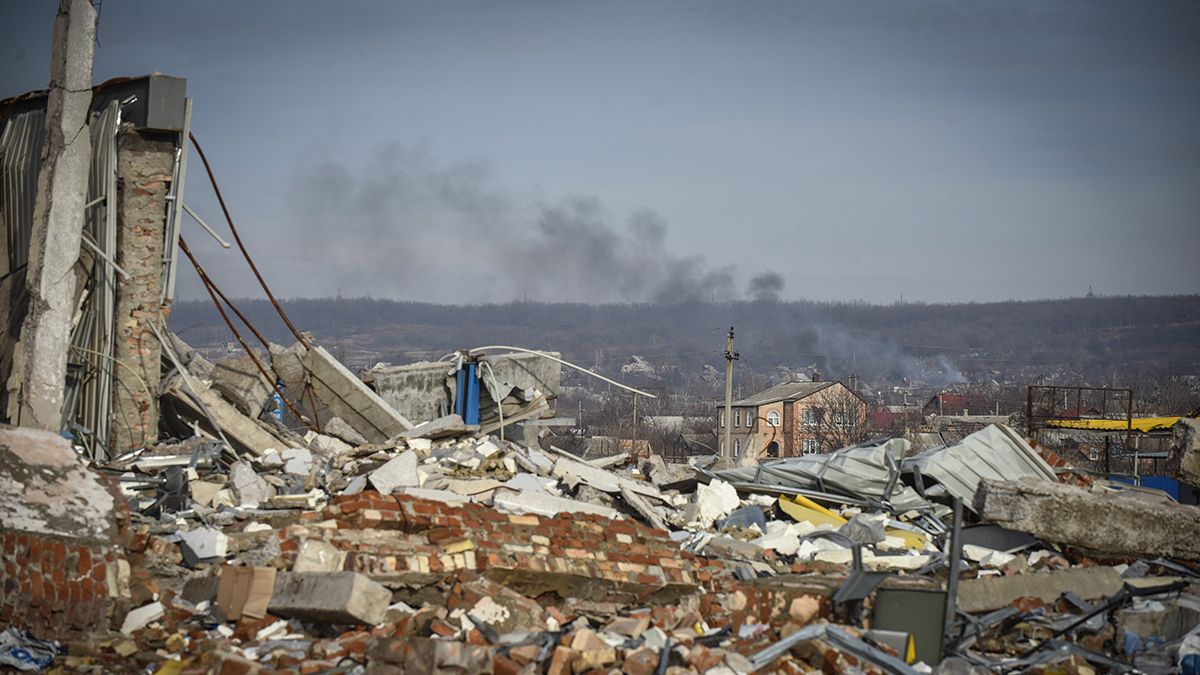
<point>62,528</point>
<point>425,391</point>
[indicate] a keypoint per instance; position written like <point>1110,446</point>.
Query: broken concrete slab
<point>1105,522</point>
<point>543,504</point>
<point>202,545</point>
<point>142,617</point>
<point>334,597</point>
<point>246,434</point>
<point>239,381</point>
<point>990,593</point>
<point>442,427</point>
<point>339,391</point>
<point>318,556</point>
<point>250,488</point>
<point>398,472</point>
<point>601,479</point>
<point>713,501</point>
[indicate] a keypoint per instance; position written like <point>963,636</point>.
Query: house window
<point>737,447</point>
<point>773,418</point>
<point>841,418</point>
<point>737,418</point>
<point>810,417</point>
<point>721,415</point>
<point>749,418</point>
<point>811,447</point>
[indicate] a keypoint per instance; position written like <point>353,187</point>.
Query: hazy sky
<point>600,151</point>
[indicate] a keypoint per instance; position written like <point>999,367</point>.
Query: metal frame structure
<point>1049,397</point>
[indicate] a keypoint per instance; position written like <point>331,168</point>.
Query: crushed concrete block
<point>442,427</point>
<point>339,392</point>
<point>1186,435</point>
<point>545,505</point>
<point>247,434</point>
<point>443,496</point>
<point>1103,522</point>
<point>333,597</point>
<point>864,529</point>
<point>241,383</point>
<point>400,471</point>
<point>297,461</point>
<point>251,489</point>
<point>714,501</point>
<point>990,593</point>
<point>318,556</point>
<point>141,617</point>
<point>337,427</point>
<point>204,491</point>
<point>203,544</point>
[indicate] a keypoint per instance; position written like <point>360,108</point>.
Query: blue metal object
<point>466,402</point>
<point>472,412</point>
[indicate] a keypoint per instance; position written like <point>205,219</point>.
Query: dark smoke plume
<point>409,226</point>
<point>766,287</point>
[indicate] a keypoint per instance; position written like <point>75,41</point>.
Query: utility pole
<point>730,357</point>
<point>57,220</point>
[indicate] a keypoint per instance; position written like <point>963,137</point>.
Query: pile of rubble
<point>377,546</point>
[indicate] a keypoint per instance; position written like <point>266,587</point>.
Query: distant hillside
<point>1069,339</point>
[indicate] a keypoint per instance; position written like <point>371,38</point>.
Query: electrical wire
<point>210,286</point>
<point>238,238</point>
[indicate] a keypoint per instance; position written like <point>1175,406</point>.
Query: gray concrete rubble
<point>985,594</point>
<point>1100,520</point>
<point>338,391</point>
<point>240,382</point>
<point>1186,434</point>
<point>329,597</point>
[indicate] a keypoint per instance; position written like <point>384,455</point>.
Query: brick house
<point>796,418</point>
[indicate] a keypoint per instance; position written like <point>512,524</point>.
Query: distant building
<point>795,418</point>
<point>948,404</point>
<point>893,419</point>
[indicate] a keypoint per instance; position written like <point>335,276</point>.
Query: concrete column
<point>57,219</point>
<point>144,161</point>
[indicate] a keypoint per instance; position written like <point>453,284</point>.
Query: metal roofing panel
<point>996,452</point>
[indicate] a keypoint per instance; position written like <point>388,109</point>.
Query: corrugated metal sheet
<point>20,161</point>
<point>996,452</point>
<point>95,334</point>
<point>869,471</point>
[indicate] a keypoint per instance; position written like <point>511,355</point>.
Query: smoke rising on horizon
<point>409,226</point>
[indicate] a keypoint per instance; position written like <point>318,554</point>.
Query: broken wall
<point>62,527</point>
<point>144,165</point>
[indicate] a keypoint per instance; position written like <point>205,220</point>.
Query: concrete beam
<point>1106,522</point>
<point>58,219</point>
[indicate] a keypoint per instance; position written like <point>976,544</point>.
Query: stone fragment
<point>250,488</point>
<point>864,529</point>
<point>203,544</point>
<point>715,500</point>
<point>141,617</point>
<point>333,597</point>
<point>442,427</point>
<point>318,556</point>
<point>400,471</point>
<point>545,505</point>
<point>297,461</point>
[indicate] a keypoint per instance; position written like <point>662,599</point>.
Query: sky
<point>466,152</point>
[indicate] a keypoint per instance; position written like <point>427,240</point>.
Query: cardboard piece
<point>245,592</point>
